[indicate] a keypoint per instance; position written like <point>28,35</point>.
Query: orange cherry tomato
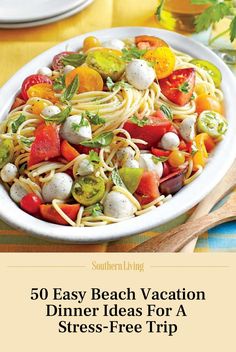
<point>149,42</point>
<point>163,59</point>
<point>176,158</point>
<point>206,102</point>
<point>42,90</point>
<point>91,42</point>
<point>89,79</point>
<point>198,160</point>
<point>204,144</point>
<point>38,106</point>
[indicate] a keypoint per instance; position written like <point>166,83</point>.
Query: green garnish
<point>138,122</point>
<point>94,118</point>
<point>70,90</point>
<point>74,59</point>
<point>27,141</point>
<point>16,124</point>
<point>102,140</point>
<point>83,122</point>
<point>93,157</point>
<point>159,159</point>
<point>184,87</point>
<point>60,117</point>
<point>132,53</point>
<point>116,179</point>
<point>59,83</point>
<point>112,86</point>
<point>167,112</point>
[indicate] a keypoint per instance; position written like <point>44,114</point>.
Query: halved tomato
<point>48,213</point>
<point>31,81</point>
<point>57,63</point>
<point>147,189</point>
<point>149,42</point>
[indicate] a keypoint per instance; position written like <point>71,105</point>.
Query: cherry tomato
<point>44,91</point>
<point>31,203</point>
<point>18,102</point>
<point>89,79</point>
<point>176,158</point>
<point>163,59</point>
<point>149,42</point>
<point>91,42</point>
<point>31,81</point>
<point>57,63</point>
<point>38,106</point>
<point>206,102</point>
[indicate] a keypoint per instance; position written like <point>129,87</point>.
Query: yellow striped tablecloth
<point>21,45</point>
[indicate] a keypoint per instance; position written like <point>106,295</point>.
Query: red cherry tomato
<point>31,81</point>
<point>57,63</point>
<point>31,203</point>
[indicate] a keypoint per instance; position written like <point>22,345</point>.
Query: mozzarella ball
<point>45,71</point>
<point>9,172</point>
<point>170,141</point>
<point>50,111</point>
<point>132,163</point>
<point>116,44</point>
<point>73,134</point>
<point>139,74</point>
<point>17,192</point>
<point>117,205</point>
<point>125,153</point>
<point>68,68</point>
<point>58,188</point>
<point>85,168</point>
<point>147,162</point>
<point>187,128</point>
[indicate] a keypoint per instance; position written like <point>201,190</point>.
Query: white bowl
<point>185,199</point>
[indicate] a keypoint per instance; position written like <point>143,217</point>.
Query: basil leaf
<point>102,140</point>
<point>167,112</point>
<point>132,53</point>
<point>59,83</point>
<point>74,59</point>
<point>116,179</point>
<point>70,90</point>
<point>60,117</point>
<point>16,124</point>
<point>159,159</point>
<point>95,119</point>
<point>27,141</point>
<point>94,210</point>
<point>113,86</point>
<point>110,84</point>
<point>76,126</point>
<point>138,122</point>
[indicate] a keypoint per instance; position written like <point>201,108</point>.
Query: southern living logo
<point>121,266</point>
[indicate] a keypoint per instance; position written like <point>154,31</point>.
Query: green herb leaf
<point>132,53</point>
<point>94,210</point>
<point>159,159</point>
<point>138,122</point>
<point>70,90</point>
<point>59,83</point>
<point>212,15</point>
<point>116,179</point>
<point>233,29</point>
<point>113,86</point>
<point>22,168</point>
<point>102,140</point>
<point>167,112</point>
<point>27,141</point>
<point>184,87</point>
<point>94,157</point>
<point>159,10</point>
<point>16,124</point>
<point>83,123</point>
<point>94,119</point>
<point>74,59</point>
<point>204,2</point>
<point>60,117</point>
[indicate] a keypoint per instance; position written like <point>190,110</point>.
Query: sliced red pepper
<point>67,151</point>
<point>48,213</point>
<point>160,152</point>
<point>46,144</point>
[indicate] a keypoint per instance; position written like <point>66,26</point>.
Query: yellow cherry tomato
<point>200,157</point>
<point>91,42</point>
<point>198,160</point>
<point>42,90</point>
<point>176,158</point>
<point>200,88</point>
<point>163,59</point>
<point>206,102</point>
<point>89,79</point>
<point>38,106</point>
